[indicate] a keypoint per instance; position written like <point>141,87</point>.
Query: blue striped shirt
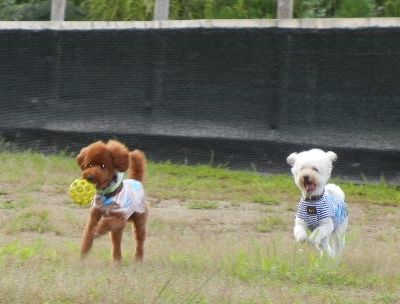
<point>312,212</point>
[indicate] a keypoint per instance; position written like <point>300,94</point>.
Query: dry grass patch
<point>272,223</point>
<point>203,205</point>
<point>218,254</point>
<point>30,221</point>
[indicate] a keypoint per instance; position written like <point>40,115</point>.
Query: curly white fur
<point>311,171</point>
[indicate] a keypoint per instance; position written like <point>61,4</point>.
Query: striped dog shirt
<point>313,211</point>
<point>129,200</point>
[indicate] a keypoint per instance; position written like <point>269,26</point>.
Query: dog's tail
<point>137,165</point>
<point>334,190</point>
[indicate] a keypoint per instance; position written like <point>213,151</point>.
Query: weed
<point>30,221</point>
<point>8,204</point>
<point>158,225</point>
<point>202,205</point>
<point>22,252</point>
<point>271,223</point>
<point>308,269</point>
<point>25,201</point>
<point>265,200</point>
<point>388,298</point>
<point>185,260</point>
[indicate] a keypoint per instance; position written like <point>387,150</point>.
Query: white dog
<point>322,208</point>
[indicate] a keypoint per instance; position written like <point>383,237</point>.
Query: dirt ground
<point>372,222</point>
<point>373,243</point>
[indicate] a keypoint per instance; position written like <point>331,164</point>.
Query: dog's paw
<point>301,237</point>
<point>316,237</point>
<point>313,242</point>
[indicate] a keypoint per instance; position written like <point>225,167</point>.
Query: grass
<point>187,275</point>
<point>168,181</point>
<point>193,182</point>
<point>240,252</point>
<point>382,193</point>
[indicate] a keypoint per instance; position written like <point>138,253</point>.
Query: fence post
<point>285,9</point>
<point>161,10</point>
<point>58,10</point>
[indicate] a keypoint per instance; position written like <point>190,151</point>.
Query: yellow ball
<point>82,192</point>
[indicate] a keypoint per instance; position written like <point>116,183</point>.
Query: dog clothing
<point>129,200</point>
<point>313,211</point>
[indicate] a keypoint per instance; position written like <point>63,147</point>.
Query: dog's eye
<point>315,169</point>
<point>103,166</point>
<point>90,165</point>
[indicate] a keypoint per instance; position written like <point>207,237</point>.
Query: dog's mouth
<point>309,185</point>
<point>107,183</point>
<point>101,183</point>
<point>310,188</point>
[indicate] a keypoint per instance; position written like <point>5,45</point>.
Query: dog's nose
<point>306,178</point>
<point>90,178</point>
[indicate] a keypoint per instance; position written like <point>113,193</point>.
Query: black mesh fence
<point>245,97</point>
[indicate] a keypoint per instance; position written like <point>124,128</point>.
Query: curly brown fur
<point>99,163</point>
<point>138,163</point>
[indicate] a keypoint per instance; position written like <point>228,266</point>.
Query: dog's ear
<point>291,159</point>
<point>81,157</point>
<point>331,155</point>
<point>119,154</point>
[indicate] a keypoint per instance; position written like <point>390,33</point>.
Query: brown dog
<point>117,200</point>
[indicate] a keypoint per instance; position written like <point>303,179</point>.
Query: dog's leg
<point>324,230</point>
<point>339,239</point>
<point>325,247</point>
<point>88,233</point>
<point>139,223</point>
<point>116,238</point>
<point>336,245</point>
<point>321,235</point>
<point>115,222</point>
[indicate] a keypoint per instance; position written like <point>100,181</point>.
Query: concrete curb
<point>321,23</point>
